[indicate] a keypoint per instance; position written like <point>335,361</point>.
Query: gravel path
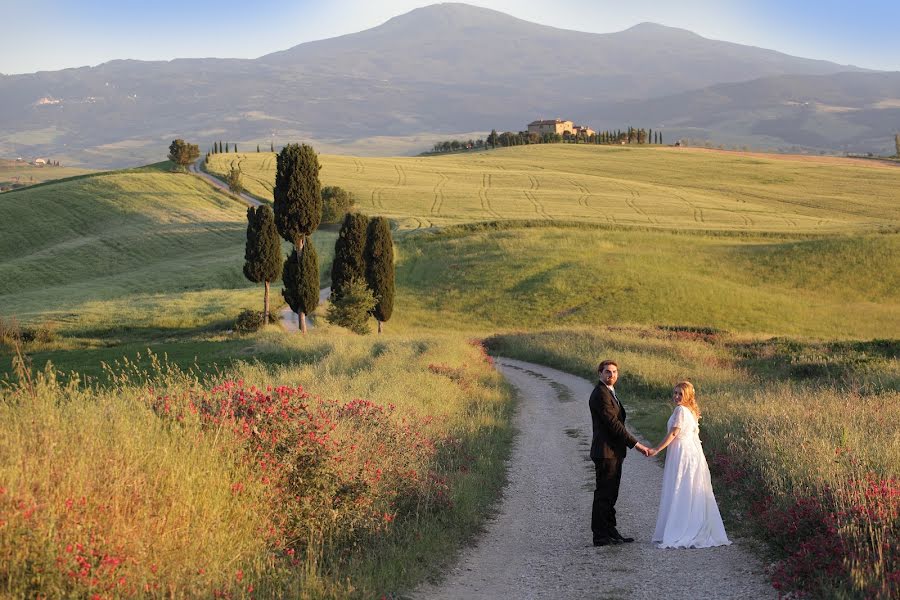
<point>195,169</point>
<point>539,544</point>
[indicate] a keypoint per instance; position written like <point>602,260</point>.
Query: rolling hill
<point>395,88</point>
<point>142,248</point>
<point>646,187</point>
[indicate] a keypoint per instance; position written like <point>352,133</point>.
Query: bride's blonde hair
<point>688,397</point>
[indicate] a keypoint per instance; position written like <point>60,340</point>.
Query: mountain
<point>853,112</point>
<point>428,74</point>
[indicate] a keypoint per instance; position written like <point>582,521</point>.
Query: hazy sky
<point>56,34</point>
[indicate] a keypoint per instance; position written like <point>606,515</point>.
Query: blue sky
<point>56,34</point>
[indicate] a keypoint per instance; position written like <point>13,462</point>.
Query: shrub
<point>336,202</point>
<point>353,307</point>
<point>251,320</point>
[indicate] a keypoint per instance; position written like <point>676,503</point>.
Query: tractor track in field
<point>401,175</point>
<point>483,196</point>
<point>439,194</point>
<point>360,168</point>
<point>538,206</point>
<point>376,198</point>
<point>630,201</point>
<point>697,211</point>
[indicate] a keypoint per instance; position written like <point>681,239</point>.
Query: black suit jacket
<point>611,440</point>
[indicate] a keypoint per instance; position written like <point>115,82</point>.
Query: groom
<point>608,449</point>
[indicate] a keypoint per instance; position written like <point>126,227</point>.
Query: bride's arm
<point>673,433</point>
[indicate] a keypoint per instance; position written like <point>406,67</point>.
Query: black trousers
<point>603,510</point>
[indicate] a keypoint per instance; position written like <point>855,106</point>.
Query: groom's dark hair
<point>605,364</point>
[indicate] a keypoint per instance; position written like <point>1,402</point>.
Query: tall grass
<point>328,470</point>
<point>802,437</point>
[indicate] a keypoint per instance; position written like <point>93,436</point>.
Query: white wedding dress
<point>688,514</point>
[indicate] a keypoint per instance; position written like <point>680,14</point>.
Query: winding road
<point>218,183</point>
<point>539,543</point>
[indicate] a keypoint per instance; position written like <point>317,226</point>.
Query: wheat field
<point>655,187</point>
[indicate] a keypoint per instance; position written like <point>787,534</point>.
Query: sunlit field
<point>536,277</point>
<point>141,249</point>
<point>213,462</point>
<point>661,188</point>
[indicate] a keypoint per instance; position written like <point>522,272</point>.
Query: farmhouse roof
<point>547,122</point>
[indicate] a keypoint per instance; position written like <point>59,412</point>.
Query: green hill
<point>647,187</point>
<point>541,277</point>
<point>137,248</point>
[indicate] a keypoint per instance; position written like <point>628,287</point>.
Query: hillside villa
<point>558,126</point>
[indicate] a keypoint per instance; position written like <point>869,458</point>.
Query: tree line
<point>631,135</point>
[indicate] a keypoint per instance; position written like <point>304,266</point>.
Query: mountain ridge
<point>427,74</point>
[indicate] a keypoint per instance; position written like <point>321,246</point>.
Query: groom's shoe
<point>603,541</point>
<point>618,537</point>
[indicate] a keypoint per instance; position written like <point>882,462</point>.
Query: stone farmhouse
<point>559,126</point>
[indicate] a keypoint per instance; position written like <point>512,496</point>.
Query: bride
<point>688,514</point>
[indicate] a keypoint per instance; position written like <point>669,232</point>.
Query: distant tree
<point>660,138</point>
<point>380,268</point>
<point>182,154</point>
<point>349,253</point>
<point>650,136</point>
<point>221,147</point>
<point>233,179</point>
<point>493,138</point>
<point>336,202</point>
<point>300,277</point>
<point>298,211</point>
<point>227,147</point>
<point>897,144</point>
<point>235,147</point>
<point>257,148</point>
<point>272,146</point>
<point>262,255</point>
<point>353,307</point>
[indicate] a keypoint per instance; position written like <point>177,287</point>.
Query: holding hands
<point>645,450</point>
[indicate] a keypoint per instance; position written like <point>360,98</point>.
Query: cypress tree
<point>298,210</point>
<point>262,256</point>
<point>272,146</point>
<point>897,143</point>
<point>220,147</point>
<point>349,253</point>
<point>235,147</point>
<point>301,282</point>
<point>227,147</point>
<point>257,148</point>
<point>297,193</point>
<point>650,137</point>
<point>380,268</point>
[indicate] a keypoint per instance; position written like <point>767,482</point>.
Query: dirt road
<point>539,544</point>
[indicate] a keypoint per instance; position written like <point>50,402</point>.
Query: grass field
<point>531,278</point>
<point>14,174</point>
<point>665,188</point>
<point>141,249</point>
